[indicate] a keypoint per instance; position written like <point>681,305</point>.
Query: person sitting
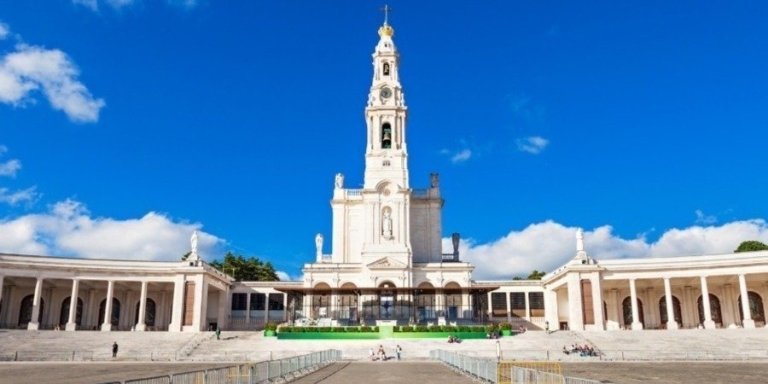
<point>566,351</point>
<point>382,354</point>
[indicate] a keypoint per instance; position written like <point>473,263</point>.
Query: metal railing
<point>264,371</point>
<point>522,375</point>
<point>482,369</point>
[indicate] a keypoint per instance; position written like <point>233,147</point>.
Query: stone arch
<point>714,306</point>
<point>626,306</point>
<point>755,307</point>
<point>321,300</point>
<point>349,285</point>
<point>149,313</point>
<point>454,300</point>
<point>25,310</point>
<point>676,308</point>
<point>64,315</point>
<point>425,285</point>
<point>115,318</point>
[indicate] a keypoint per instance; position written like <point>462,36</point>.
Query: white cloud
<point>68,229</point>
<point>701,218</point>
<point>461,156</point>
<point>548,245</point>
<point>51,71</point>
<point>533,144</point>
<point>10,167</point>
<point>4,31</point>
<point>16,197</point>
<point>118,4</point>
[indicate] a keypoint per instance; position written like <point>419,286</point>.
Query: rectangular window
<point>499,304</point>
<point>536,300</point>
<point>517,300</point>
<point>258,301</point>
<point>238,301</point>
<point>276,302</point>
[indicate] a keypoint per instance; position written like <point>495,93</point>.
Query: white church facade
<point>386,266</point>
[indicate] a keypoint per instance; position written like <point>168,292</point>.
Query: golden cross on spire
<point>387,9</point>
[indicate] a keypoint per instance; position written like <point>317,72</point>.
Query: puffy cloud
<point>533,145</point>
<point>10,167</point>
<point>16,197</point>
<point>459,156</point>
<point>701,218</point>
<point>548,245</point>
<point>4,31</point>
<point>68,229</point>
<point>50,70</point>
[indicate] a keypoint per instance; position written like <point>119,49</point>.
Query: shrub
<point>339,329</point>
<point>270,326</point>
<point>490,328</point>
<point>286,329</point>
<point>323,329</point>
<point>478,328</point>
<point>422,328</point>
<point>505,326</point>
<point>365,328</point>
<point>353,329</point>
<point>450,328</point>
<point>435,328</point>
<point>375,329</point>
<point>406,328</point>
<point>464,328</point>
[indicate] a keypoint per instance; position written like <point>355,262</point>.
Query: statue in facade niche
<point>386,225</point>
<point>339,182</point>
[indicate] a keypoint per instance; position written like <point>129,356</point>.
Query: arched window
<point>387,299</point>
<point>627,309</point>
<point>453,300</point>
<point>115,320</point>
<point>675,308</point>
<point>714,305</point>
<point>25,312</point>
<point>64,315</point>
<point>755,307</point>
<point>149,313</point>
<point>386,69</point>
<point>386,136</point>
<point>321,301</point>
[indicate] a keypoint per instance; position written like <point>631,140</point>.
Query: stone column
<point>160,314</point>
<point>71,324</point>
<point>490,306</point>
<point>509,306</point>
<point>141,324</point>
<point>671,322</point>
<point>527,307</point>
<point>636,324</point>
<point>33,323</point>
<point>285,307</point>
<point>550,309</point>
<point>178,306</point>
<point>106,325</point>
<point>597,301</point>
<point>747,322</point>
<point>575,310</point>
<point>222,313</point>
<point>334,307</point>
<point>200,310</point>
<point>708,322</point>
<point>1,287</point>
<point>248,309</point>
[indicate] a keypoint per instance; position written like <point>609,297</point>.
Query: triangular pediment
<point>387,263</point>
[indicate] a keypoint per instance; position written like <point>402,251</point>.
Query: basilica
<point>386,266</point>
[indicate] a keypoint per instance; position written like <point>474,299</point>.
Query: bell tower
<point>386,157</point>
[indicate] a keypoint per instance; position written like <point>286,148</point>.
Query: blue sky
<point>126,124</point>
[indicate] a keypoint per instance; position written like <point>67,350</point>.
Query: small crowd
<point>581,350</point>
<point>381,355</point>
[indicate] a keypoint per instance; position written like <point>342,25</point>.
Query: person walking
<point>398,350</point>
<point>114,349</point>
<point>218,333</point>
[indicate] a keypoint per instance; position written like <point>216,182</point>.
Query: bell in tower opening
<point>386,136</point>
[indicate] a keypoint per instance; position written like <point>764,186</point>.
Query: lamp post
<point>498,351</point>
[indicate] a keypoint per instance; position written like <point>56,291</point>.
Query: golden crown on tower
<point>386,30</point>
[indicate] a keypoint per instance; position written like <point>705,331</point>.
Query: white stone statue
<point>339,182</point>
<point>319,247</point>
<point>579,240</point>
<point>193,242</point>
<point>386,225</point>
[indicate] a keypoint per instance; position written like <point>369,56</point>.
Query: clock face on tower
<point>385,93</point>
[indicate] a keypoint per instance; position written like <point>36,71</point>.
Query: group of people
<point>381,355</point>
<point>453,339</point>
<point>582,350</point>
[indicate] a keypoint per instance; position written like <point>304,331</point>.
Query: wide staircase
<point>25,345</point>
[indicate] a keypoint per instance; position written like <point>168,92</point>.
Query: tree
<point>751,245</point>
<point>536,275</point>
<point>242,269</point>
